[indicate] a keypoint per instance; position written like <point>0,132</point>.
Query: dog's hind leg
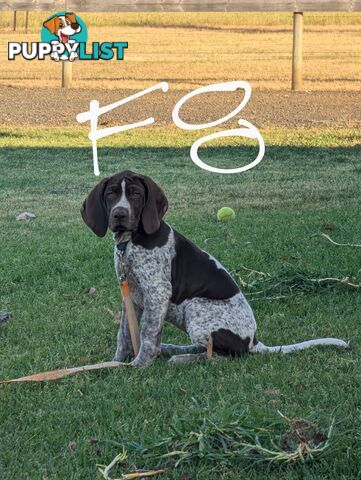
<point>168,349</point>
<point>188,358</point>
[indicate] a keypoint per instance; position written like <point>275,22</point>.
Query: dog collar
<point>121,246</point>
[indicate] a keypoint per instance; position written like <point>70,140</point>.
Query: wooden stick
<point>297,51</point>
<point>66,73</point>
<point>64,372</point>
<point>27,21</point>
<point>131,316</point>
<point>210,348</point>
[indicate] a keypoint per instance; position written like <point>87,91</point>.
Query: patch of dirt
<point>58,107</point>
<point>302,431</point>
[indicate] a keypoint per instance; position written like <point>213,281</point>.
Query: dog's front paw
<point>141,361</point>
<point>73,56</point>
<point>138,363</point>
<point>55,56</point>
<point>121,355</point>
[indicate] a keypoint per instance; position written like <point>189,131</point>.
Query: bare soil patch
<point>57,107</point>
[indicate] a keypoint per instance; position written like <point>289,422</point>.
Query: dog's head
<point>63,26</point>
<point>125,202</point>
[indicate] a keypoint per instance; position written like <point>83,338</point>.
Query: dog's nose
<point>120,214</point>
<point>75,26</point>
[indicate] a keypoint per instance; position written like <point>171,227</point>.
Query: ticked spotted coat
<point>171,279</point>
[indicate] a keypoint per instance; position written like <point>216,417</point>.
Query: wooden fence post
<point>66,74</point>
<point>14,22</point>
<point>26,21</point>
<point>297,51</point>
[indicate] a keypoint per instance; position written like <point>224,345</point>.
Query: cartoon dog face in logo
<point>63,26</point>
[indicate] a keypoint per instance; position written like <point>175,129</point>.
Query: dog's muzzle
<point>120,220</point>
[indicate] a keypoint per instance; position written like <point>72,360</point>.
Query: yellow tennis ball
<point>225,213</point>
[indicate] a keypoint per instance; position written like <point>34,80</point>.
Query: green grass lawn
<point>61,430</point>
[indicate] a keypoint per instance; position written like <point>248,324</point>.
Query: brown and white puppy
<point>170,278</point>
<point>63,26</point>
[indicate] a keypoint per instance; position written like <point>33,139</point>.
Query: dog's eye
<point>61,25</point>
<point>109,194</point>
<point>134,193</point>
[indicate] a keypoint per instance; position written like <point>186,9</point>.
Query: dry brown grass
<point>187,19</point>
<point>188,57</point>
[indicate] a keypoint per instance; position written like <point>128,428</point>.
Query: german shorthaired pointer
<point>171,278</point>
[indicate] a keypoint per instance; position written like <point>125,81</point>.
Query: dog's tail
<point>261,348</point>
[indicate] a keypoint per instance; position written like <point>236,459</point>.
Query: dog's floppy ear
<point>50,25</point>
<point>93,210</point>
<point>155,206</point>
<point>71,17</point>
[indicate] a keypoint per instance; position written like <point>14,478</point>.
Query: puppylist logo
<point>63,37</point>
